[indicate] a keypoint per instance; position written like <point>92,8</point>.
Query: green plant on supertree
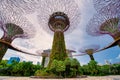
<point>58,22</point>
<point>56,17</point>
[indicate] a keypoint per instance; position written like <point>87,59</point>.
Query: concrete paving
<point>111,77</point>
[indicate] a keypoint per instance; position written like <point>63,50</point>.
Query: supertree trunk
<point>43,61</point>
<point>3,49</point>
<point>91,57</point>
<point>58,48</point>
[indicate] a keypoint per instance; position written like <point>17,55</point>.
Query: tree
<point>54,66</point>
<point>61,68</point>
<point>93,68</point>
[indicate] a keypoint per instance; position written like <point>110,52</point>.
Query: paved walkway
<point>116,77</point>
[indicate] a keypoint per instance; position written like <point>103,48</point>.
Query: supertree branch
<point>90,50</point>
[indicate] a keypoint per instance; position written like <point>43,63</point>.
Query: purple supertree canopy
<point>100,4</point>
<point>8,20</point>
<point>92,48</point>
<point>19,6</point>
<point>105,22</point>
<point>68,7</point>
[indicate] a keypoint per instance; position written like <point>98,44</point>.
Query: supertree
<point>106,22</point>
<point>90,50</point>
<point>13,23</point>
<point>13,26</point>
<point>45,54</point>
<point>57,16</point>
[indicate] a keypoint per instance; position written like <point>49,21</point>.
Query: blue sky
<point>75,40</point>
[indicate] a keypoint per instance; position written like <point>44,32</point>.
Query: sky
<point>77,39</point>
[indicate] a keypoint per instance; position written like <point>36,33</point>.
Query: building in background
<point>12,59</point>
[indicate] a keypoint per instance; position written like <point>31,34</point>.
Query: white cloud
<point>118,57</point>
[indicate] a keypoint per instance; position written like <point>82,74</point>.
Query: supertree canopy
<point>90,50</point>
<point>19,6</point>
<point>58,16</point>
<point>100,4</point>
<point>107,21</point>
<point>14,26</point>
<point>67,7</point>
